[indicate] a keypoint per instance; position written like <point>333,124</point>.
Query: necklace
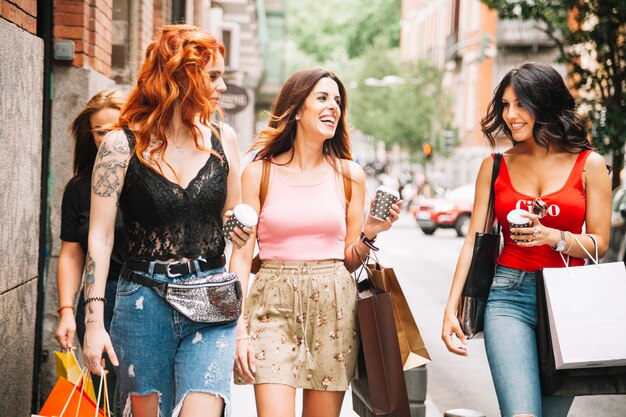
<point>179,148</point>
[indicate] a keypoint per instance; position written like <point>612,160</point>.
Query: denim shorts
<point>161,351</point>
<point>511,345</point>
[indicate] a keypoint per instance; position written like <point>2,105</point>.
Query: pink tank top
<point>302,222</point>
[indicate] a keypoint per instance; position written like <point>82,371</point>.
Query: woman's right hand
<point>96,341</point>
<point>244,360</point>
<point>66,329</point>
<point>451,327</point>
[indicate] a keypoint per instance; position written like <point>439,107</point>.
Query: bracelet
<point>368,242</point>
<point>571,240</point>
<point>90,299</point>
<point>63,308</point>
<point>243,337</point>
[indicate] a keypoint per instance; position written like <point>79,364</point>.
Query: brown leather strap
<point>347,181</point>
<point>265,180</point>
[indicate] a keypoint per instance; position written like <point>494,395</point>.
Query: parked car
<point>617,241</point>
<point>452,210</point>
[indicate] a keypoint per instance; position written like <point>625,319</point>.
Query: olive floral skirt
<point>301,318</point>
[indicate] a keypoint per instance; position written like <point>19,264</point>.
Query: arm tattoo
<point>90,278</point>
<point>103,152</point>
<point>122,147</point>
<point>107,178</point>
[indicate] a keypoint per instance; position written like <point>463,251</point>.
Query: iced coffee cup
<point>243,216</point>
<point>385,197</point>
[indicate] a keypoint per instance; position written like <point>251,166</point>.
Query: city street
<point>424,265</point>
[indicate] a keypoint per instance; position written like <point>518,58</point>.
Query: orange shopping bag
<point>68,368</point>
<point>71,400</point>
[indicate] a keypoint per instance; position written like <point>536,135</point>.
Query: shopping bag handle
<point>595,260</point>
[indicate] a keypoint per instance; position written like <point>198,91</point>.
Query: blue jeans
<point>161,351</point>
<point>511,345</point>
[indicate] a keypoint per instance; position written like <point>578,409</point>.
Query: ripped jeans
<point>161,351</point>
<point>511,345</point>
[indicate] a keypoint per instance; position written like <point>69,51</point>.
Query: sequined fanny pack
<point>214,298</point>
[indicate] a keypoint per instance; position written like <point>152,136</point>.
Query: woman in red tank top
<point>550,161</point>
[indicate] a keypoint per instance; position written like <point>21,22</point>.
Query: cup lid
<point>515,216</point>
<point>389,190</point>
<point>246,215</point>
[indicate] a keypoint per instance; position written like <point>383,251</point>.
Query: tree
<point>409,111</point>
<point>591,37</point>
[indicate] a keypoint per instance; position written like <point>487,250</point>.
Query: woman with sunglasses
<point>88,130</point>
<point>551,167</point>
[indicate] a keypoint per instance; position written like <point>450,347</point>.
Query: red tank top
<point>566,212</point>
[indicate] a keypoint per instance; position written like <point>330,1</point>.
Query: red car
<point>450,211</point>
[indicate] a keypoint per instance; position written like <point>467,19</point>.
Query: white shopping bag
<point>587,315</point>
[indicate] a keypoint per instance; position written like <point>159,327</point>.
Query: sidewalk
<point>243,404</point>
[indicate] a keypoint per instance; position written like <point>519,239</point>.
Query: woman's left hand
<point>535,235</point>
<point>374,226</point>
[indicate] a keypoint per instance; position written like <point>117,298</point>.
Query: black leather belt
<point>175,269</point>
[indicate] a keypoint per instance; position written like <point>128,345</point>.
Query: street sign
<point>234,99</point>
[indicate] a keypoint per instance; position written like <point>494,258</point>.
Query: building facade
<point>474,48</point>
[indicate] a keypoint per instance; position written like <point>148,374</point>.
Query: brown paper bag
<point>380,389</point>
<point>412,348</point>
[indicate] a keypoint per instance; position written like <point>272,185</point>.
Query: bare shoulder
<point>356,172</point>
<point>228,134</point>
<point>115,145</point>
<point>594,162</point>
<point>252,172</point>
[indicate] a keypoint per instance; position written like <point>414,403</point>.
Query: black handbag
<point>471,310</point>
<point>570,382</point>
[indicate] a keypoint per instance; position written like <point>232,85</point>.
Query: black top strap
<point>130,135</point>
<point>492,194</point>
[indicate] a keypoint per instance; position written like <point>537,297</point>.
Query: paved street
<point>424,265</point>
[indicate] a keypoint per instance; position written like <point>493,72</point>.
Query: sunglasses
<point>539,208</point>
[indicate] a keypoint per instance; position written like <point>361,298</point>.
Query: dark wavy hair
<point>541,91</point>
<point>280,133</point>
<point>85,148</point>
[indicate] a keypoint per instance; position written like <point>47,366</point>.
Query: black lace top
<point>165,221</point>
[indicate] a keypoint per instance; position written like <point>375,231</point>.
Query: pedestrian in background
<point>550,165</point>
<point>88,129</point>
<point>300,318</point>
<point>174,173</point>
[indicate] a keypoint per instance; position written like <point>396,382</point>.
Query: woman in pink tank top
<point>551,166</point>
<point>299,323</point>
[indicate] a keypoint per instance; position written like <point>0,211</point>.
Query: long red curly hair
<point>173,70</point>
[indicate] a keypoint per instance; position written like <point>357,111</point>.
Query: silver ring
<point>535,232</point>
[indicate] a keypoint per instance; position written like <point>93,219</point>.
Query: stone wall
<point>21,89</point>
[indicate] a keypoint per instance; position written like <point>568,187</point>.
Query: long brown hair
<point>85,148</point>
<point>173,70</point>
<point>280,133</point>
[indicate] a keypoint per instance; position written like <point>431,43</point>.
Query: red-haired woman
<point>301,311</point>
<point>174,174</point>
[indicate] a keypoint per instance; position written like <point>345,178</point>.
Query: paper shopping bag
<point>412,348</point>
<point>67,400</point>
<point>570,382</point>
<point>68,368</point>
<point>587,315</point>
<point>380,389</point>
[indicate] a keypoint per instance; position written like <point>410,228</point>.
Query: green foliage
<point>359,40</point>
<point>320,29</point>
<point>595,30</point>
<point>408,114</point>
